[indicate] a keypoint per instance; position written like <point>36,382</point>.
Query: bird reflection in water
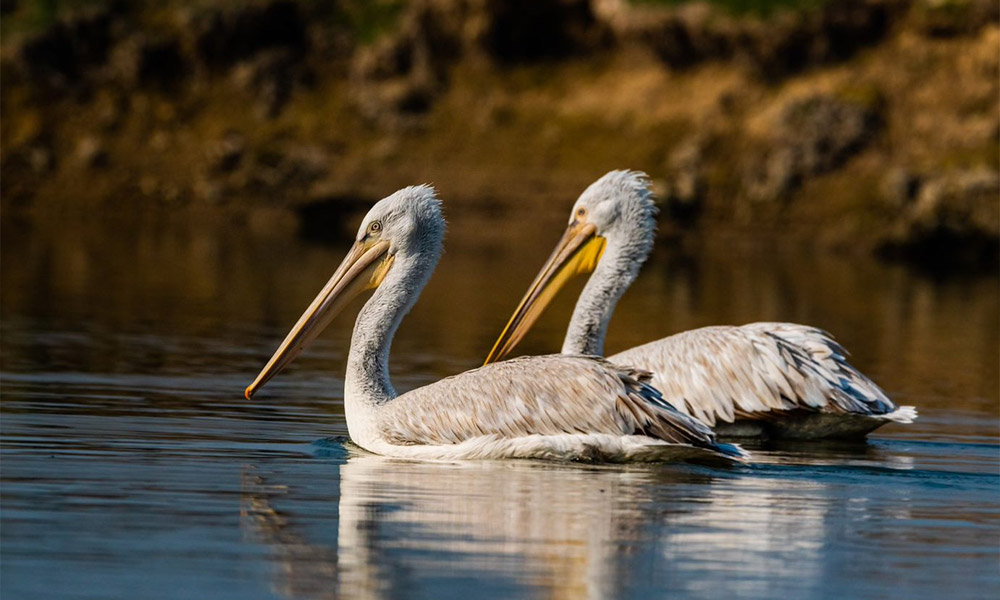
<point>572,531</point>
<point>564,531</point>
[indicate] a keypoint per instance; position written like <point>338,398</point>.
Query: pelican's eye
<point>374,227</point>
<point>581,212</point>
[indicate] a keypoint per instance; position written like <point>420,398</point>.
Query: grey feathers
<point>539,395</point>
<point>719,374</point>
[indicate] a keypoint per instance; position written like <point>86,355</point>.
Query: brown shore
<point>867,126</point>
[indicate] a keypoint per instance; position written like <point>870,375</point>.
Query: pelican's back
<point>760,371</point>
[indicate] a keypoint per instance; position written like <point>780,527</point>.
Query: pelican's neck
<point>367,385</point>
<point>368,361</point>
<point>616,270</point>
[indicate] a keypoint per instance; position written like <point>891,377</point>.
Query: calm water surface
<point>133,468</point>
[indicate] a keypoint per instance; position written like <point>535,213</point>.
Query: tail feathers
<point>733,451</point>
<point>903,414</point>
<point>657,418</point>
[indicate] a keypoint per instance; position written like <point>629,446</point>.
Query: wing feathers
<point>541,395</point>
<point>756,371</point>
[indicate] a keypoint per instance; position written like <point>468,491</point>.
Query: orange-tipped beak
<point>362,269</point>
<point>578,251</point>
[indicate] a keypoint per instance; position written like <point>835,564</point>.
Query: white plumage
<point>776,379</point>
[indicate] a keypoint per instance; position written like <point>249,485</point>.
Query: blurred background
<point>863,126</point>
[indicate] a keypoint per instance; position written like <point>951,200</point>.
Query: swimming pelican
<point>565,407</point>
<point>761,379</point>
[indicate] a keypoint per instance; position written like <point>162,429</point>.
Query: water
<point>133,467</point>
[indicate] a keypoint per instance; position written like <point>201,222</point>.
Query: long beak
<point>578,251</point>
<point>361,270</point>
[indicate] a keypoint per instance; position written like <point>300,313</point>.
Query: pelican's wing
<point>540,395</point>
<point>754,371</point>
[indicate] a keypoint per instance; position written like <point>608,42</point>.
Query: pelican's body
<point>766,380</point>
<point>532,407</point>
<point>761,379</point>
<point>565,407</point>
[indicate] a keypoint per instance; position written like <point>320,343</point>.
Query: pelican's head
<point>404,227</point>
<point>620,208</point>
<point>407,222</point>
<point>616,212</point>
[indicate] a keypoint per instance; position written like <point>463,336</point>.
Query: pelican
<point>556,407</point>
<point>762,379</point>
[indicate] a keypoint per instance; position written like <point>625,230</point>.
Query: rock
<point>773,46</point>
<point>399,76</point>
<point>279,172</point>
<point>813,135</point>
<point>797,40</point>
<point>142,61</point>
<point>824,130</point>
<point>406,96</point>
<point>954,222</point>
<point>61,55</point>
<point>224,38</point>
<point>529,30</point>
<point>307,163</point>
<point>962,201</point>
<point>954,17</point>
<point>271,77</point>
<point>428,37</point>
<point>689,35</point>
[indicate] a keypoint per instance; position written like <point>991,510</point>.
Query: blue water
<point>131,466</point>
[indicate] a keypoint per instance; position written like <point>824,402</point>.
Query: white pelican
<point>761,379</point>
<point>565,407</point>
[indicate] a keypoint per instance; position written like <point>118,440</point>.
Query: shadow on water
<point>133,467</point>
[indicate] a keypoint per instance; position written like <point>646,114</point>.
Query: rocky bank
<point>862,125</point>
